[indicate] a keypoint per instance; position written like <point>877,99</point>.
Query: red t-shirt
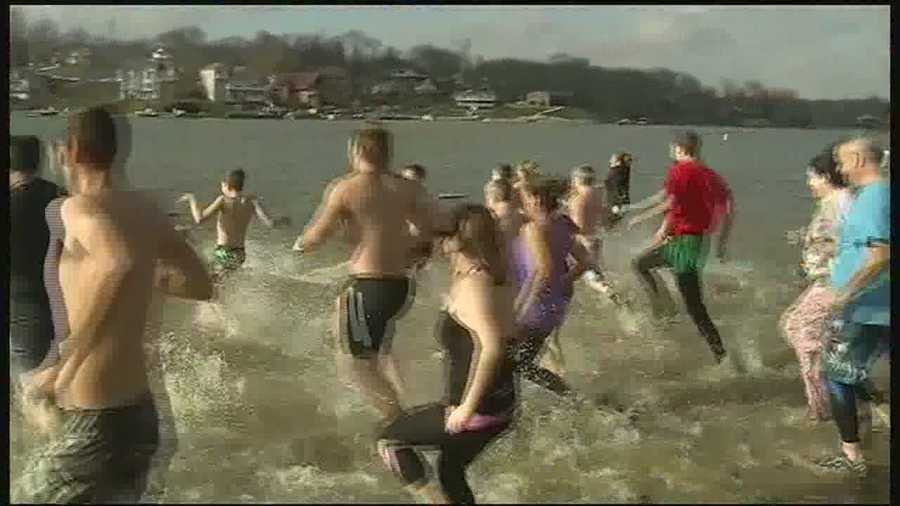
<point>700,197</point>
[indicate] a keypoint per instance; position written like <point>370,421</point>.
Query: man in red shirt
<point>697,201</point>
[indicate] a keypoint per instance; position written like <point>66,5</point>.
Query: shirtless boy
<point>377,205</point>
<point>233,210</point>
<point>586,207</point>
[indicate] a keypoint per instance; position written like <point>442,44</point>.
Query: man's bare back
<point>586,210</point>
<point>233,220</point>
<point>108,267</point>
<point>378,208</point>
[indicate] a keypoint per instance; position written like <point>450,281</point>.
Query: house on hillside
<point>474,100</point>
<point>548,98</point>
<point>325,85</point>
<point>334,85</point>
<point>81,56</point>
<point>868,121</point>
<point>244,86</point>
<point>213,78</point>
<point>407,75</point>
<point>153,80</point>
<point>19,88</point>
<point>405,81</point>
<point>296,88</point>
<point>387,88</point>
<point>426,87</point>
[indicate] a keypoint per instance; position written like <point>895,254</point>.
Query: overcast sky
<point>820,51</point>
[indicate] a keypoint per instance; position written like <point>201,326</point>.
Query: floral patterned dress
<point>804,321</point>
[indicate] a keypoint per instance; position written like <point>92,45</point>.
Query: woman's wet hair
<point>824,165</point>
<point>475,228</point>
<point>549,192</point>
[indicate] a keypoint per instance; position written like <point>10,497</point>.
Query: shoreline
<point>525,120</point>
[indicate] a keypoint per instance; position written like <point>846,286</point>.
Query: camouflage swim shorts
<point>100,455</point>
<point>228,259</point>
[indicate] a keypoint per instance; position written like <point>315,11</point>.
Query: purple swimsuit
<point>549,310</point>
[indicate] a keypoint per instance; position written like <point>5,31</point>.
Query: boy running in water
<point>696,201</point>
<point>234,210</point>
<point>587,209</point>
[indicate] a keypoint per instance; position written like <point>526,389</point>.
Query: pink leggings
<point>802,325</point>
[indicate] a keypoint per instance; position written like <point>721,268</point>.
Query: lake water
<point>261,416</point>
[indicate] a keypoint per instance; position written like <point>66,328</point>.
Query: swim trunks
<point>686,253</point>
<point>368,308</point>
<point>100,455</point>
<point>227,258</point>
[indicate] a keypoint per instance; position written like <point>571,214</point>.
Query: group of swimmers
<point>513,266</point>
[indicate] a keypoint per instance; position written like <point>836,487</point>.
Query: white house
<point>213,79</point>
<point>474,100</point>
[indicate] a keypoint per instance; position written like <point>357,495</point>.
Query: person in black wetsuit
<point>30,323</point>
<point>618,184</point>
<point>481,388</point>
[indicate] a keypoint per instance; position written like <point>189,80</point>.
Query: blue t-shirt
<point>868,223</point>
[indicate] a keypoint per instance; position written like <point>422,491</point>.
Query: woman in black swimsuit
<point>481,389</point>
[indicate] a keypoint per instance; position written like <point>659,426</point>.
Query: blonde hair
<point>374,145</point>
<point>529,170</point>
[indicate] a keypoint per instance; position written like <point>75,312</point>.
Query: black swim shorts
<point>368,308</point>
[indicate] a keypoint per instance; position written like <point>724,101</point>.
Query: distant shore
<point>524,120</point>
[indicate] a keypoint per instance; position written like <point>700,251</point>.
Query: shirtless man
<point>377,207</point>
<point>588,210</point>
<point>234,210</point>
<point>117,246</point>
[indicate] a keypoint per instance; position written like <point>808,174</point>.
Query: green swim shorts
<point>228,259</point>
<point>686,253</point>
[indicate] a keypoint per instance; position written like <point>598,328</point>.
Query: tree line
<point>663,95</point>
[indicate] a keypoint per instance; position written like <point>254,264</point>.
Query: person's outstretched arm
<point>261,212</point>
<point>656,210</point>
<point>180,272</point>
<point>324,222</point>
<point>653,200</point>
<point>201,216</point>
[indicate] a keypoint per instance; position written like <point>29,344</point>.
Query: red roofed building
<point>325,85</point>
<point>297,88</point>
